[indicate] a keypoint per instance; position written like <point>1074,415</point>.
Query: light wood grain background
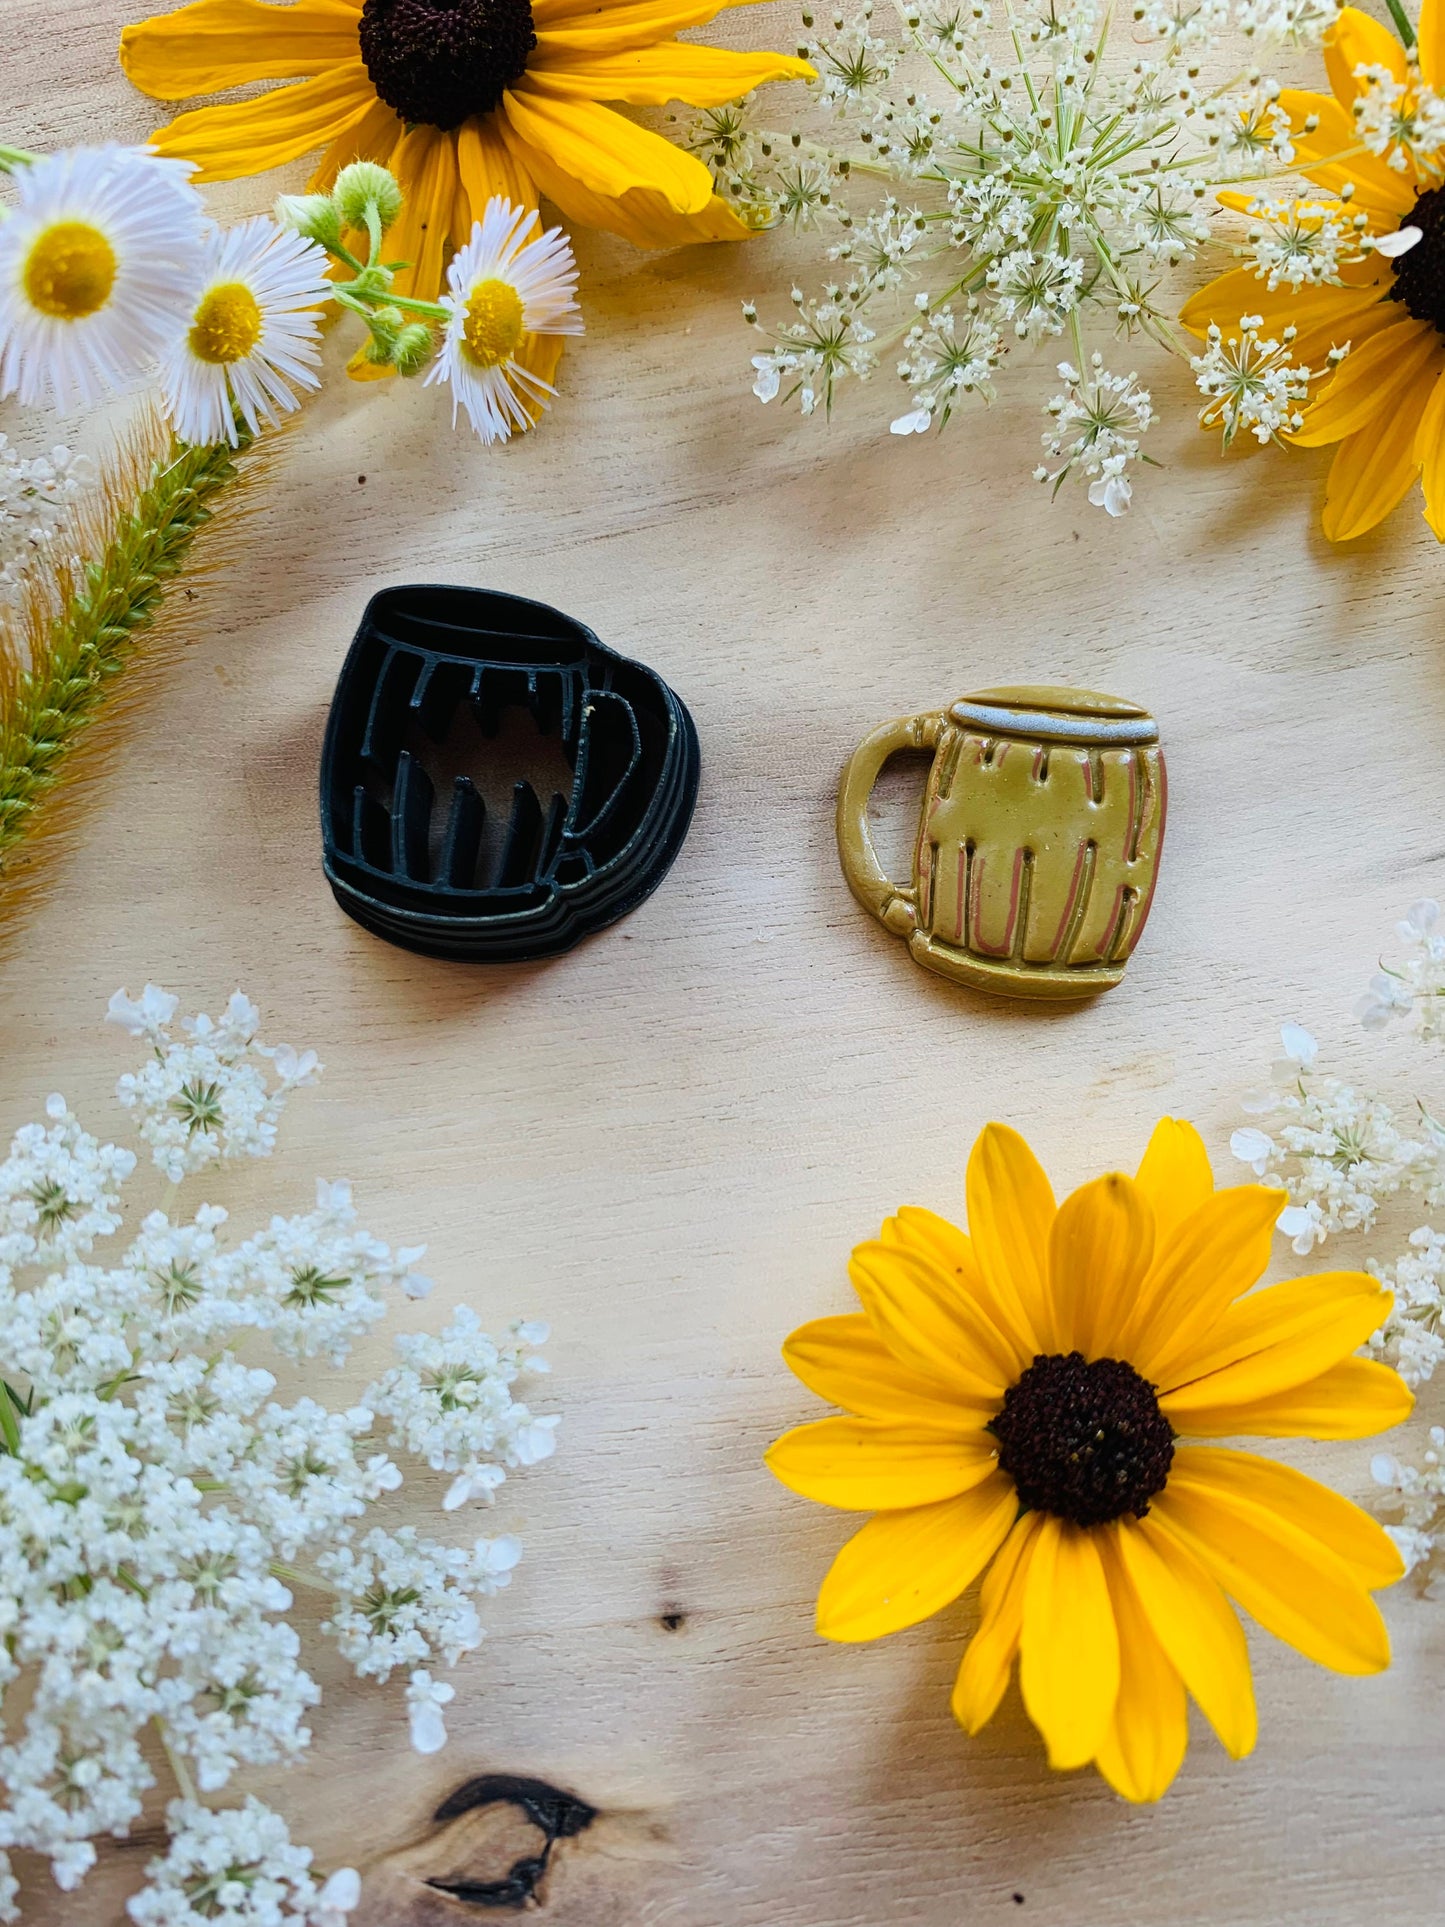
<point>667,1142</point>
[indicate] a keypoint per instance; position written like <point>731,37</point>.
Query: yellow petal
<point>216,44</point>
<point>1193,1622</point>
<point>1311,346</point>
<point>1378,188</point>
<point>649,76</point>
<point>1430,40</point>
<point>904,1566</point>
<point>649,19</point>
<point>1100,1246</point>
<point>1069,1644</point>
<point>606,152</point>
<point>930,1324</point>
<point>1242,292</point>
<point>1430,453</point>
<point>425,163</point>
<point>983,1677</point>
<point>250,136</point>
<point>1369,383</point>
<point>641,216</point>
<point>1352,1535</point>
<point>1144,1746</point>
<point>845,1361</point>
<point>1282,1336</point>
<point>869,1465</point>
<point>952,1254</point>
<point>1375,468</point>
<point>1355,40</point>
<point>1010,1214</point>
<point>1288,1581</point>
<point>486,167</point>
<point>1174,1176</point>
<point>1352,1400</point>
<point>1216,1257</point>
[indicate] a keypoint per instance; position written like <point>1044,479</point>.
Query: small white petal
<point>1392,246</point>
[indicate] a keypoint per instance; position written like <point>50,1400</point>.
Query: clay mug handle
<point>895,907</point>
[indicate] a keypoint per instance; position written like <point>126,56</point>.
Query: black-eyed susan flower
<point>1019,1400</point>
<point>464,100</point>
<point>99,262</point>
<point>1376,145</point>
<point>510,300</point>
<point>253,335</point>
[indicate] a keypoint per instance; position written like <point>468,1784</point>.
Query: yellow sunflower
<point>1384,406</point>
<point>1018,1397</point>
<point>463,100</point>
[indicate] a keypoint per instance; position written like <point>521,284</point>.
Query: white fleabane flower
<point>99,262</point>
<point>506,286</point>
<point>425,1698</point>
<point>254,333</point>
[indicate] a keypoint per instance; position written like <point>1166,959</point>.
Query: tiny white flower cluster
<point>1342,1155</point>
<point>1254,383</point>
<point>1096,425</point>
<point>1416,985</point>
<point>159,1500</point>
<point>1403,121</point>
<point>209,1099</point>
<point>1417,1501</point>
<point>1036,176</point>
<point>36,494</point>
<point>1337,1152</point>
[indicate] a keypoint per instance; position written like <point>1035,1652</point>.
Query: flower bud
<point>361,185</point>
<point>316,216</point>
<point>413,350</point>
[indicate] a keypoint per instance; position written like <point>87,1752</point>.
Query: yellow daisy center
<point>492,331</point>
<point>70,271</point>
<point>227,325</point>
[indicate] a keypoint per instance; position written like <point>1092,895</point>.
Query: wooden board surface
<point>667,1142</point>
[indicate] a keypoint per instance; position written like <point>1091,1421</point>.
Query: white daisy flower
<point>503,288</point>
<point>253,335</point>
<point>99,264</point>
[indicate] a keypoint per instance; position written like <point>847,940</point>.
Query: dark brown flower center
<point>438,62</point>
<point>1084,1439</point>
<point>1420,272</point>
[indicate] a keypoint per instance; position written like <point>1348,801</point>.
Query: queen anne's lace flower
<point>1032,179</point>
<point>160,1501</point>
<point>36,496</point>
<point>1345,1156</point>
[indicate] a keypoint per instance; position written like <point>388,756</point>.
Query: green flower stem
<point>1402,23</point>
<point>13,157</point>
<point>93,638</point>
<point>357,295</point>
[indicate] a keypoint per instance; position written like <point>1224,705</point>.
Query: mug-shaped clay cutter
<point>417,867</point>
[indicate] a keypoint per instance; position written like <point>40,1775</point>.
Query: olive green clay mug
<point>1038,841</point>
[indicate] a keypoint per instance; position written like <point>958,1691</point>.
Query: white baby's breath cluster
<point>1350,1162</point>
<point>1041,172</point>
<point>162,1500</point>
<point>36,496</point>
